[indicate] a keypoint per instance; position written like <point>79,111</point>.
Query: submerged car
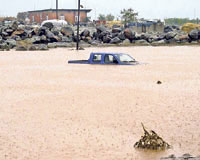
<point>108,58</point>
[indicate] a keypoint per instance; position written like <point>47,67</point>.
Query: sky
<point>149,9</point>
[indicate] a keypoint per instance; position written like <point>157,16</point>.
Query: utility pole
<point>57,9</point>
<point>77,39</point>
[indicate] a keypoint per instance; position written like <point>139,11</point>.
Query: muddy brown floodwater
<point>52,110</point>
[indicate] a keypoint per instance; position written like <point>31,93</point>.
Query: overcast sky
<point>150,9</point>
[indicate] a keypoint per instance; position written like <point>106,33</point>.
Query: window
<point>110,59</point>
<point>96,58</point>
<point>47,17</point>
<point>40,16</point>
<point>124,58</point>
<point>33,19</point>
<point>62,17</point>
<point>76,18</point>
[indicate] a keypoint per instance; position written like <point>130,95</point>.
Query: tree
<point>110,17</point>
<point>102,17</point>
<point>128,15</point>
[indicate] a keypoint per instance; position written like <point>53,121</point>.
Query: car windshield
<point>124,58</point>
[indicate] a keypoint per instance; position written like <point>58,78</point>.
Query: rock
<point>106,39</point>
<point>9,31</point>
<point>42,31</point>
<point>21,48</point>
<point>51,37</point>
<point>121,36</point>
<point>35,39</point>
<point>100,29</point>
<point>194,35</point>
<point>85,33</point>
<point>56,31</point>
<point>168,29</point>
<point>115,40</point>
<point>4,34</point>
<point>156,43</point>
<point>67,31</point>
<point>63,44</point>
<point>126,42</point>
<point>116,30</point>
<point>113,35</point>
<point>19,32</point>
<point>67,39</point>
<point>48,25</point>
<point>14,25</point>
<point>103,34</point>
<point>32,48</point>
<point>94,42</point>
<point>42,47</point>
<point>4,46</point>
<point>52,45</point>
<point>170,35</point>
<point>129,33</point>
<point>11,42</point>
<point>43,39</point>
<point>142,41</point>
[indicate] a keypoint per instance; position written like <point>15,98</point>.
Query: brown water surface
<point>52,110</point>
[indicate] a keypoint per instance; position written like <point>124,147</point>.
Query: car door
<point>110,59</point>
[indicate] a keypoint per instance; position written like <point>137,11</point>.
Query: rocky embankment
<point>26,37</point>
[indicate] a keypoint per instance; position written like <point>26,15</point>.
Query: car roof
<point>106,53</point>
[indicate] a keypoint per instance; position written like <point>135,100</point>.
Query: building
<point>70,15</point>
<point>147,26</point>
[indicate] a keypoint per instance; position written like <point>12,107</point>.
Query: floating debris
<point>151,141</point>
<point>159,82</point>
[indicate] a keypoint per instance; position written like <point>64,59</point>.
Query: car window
<point>96,58</point>
<point>110,59</point>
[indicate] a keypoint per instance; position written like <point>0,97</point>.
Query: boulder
<point>121,36</point>
<point>32,48</point>
<point>101,29</point>
<point>116,30</point>
<point>19,32</point>
<point>48,25</point>
<point>85,33</point>
<point>94,42</point>
<point>9,31</point>
<point>21,48</point>
<point>170,35</point>
<point>4,46</point>
<point>35,39</point>
<point>157,43</point>
<point>115,40</point>
<point>106,39</point>
<point>51,37</point>
<point>51,45</point>
<point>194,34</point>
<point>126,42</point>
<point>142,42</point>
<point>129,33</point>
<point>63,44</point>
<point>42,31</point>
<point>168,29</point>
<point>67,39</point>
<point>67,31</point>
<point>42,47</point>
<point>11,42</point>
<point>43,39</point>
